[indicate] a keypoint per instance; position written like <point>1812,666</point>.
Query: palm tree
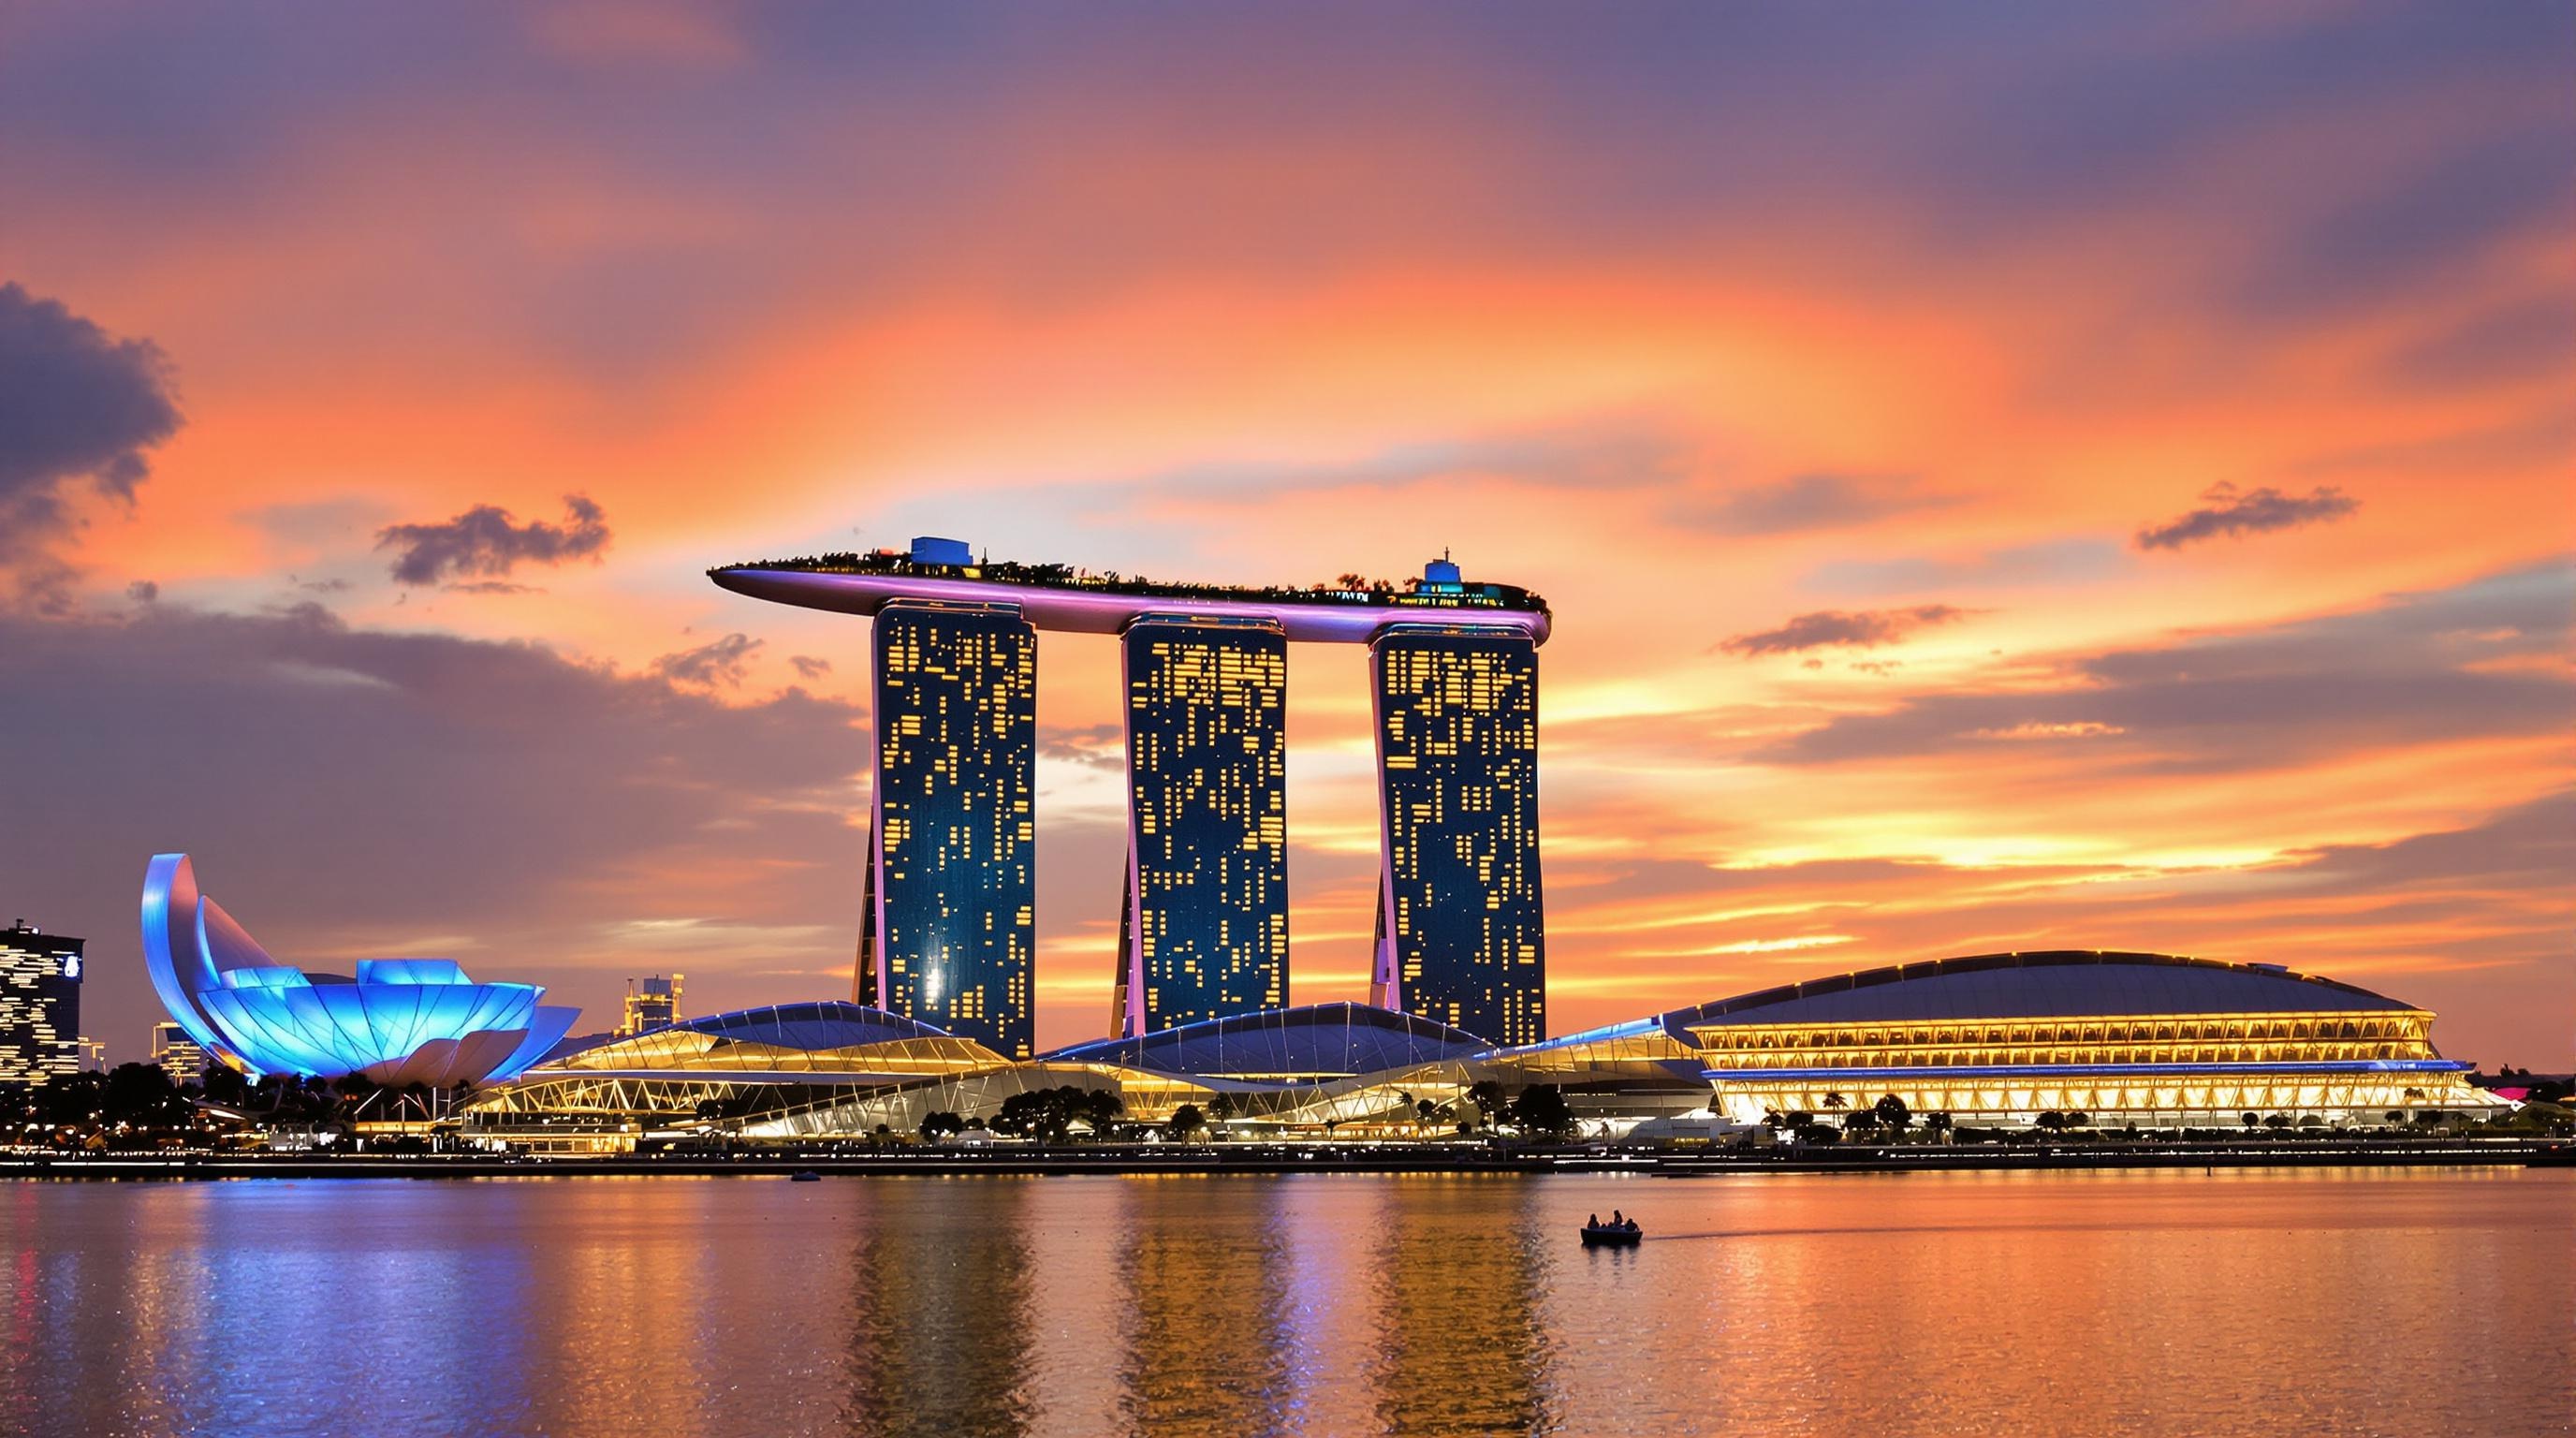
<point>1892,1113</point>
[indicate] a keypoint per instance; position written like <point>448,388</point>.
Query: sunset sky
<point>2006,476</point>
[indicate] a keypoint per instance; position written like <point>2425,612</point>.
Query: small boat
<point>804,1175</point>
<point>1612,1236</point>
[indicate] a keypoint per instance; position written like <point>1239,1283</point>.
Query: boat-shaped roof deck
<point>1054,596</point>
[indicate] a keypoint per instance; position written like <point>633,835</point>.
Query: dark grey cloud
<point>351,792</point>
<point>809,667</point>
<point>2225,511</point>
<point>722,664</point>
<point>1858,629</point>
<point>143,591</point>
<point>1809,502</point>
<point>2434,667</point>
<point>75,404</point>
<point>487,542</point>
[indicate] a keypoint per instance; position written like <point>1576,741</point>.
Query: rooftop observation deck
<point>1056,596</point>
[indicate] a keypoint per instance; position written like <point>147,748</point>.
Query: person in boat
<point>1593,1222</point>
<point>1617,1220</point>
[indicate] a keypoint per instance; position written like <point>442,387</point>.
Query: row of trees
<point>1050,1115</point>
<point>140,1106</point>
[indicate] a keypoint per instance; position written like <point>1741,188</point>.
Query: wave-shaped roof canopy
<point>1318,1041</point>
<point>812,1039</point>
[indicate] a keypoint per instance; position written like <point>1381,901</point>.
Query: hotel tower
<point>949,929</point>
<point>1460,934</point>
<point>948,936</point>
<point>1203,931</point>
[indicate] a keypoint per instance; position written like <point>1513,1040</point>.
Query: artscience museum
<point>394,1021</point>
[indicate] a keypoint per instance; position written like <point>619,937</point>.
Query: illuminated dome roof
<point>2057,984</point>
<point>399,1021</point>
<point>840,1040</point>
<point>1319,1041</point>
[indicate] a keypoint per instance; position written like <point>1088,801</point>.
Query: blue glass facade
<point>1204,931</point>
<point>1461,925</point>
<point>950,932</point>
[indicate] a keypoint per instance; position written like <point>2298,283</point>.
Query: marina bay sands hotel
<point>948,934</point>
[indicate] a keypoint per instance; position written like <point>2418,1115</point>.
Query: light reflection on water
<point>2152,1303</point>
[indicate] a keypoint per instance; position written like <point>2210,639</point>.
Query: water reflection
<point>938,1303</point>
<point>1457,1347</point>
<point>2152,1303</point>
<point>1204,1284</point>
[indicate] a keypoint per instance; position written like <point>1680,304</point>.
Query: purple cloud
<point>1858,629</point>
<point>2224,511</point>
<point>75,403</point>
<point>487,541</point>
<point>722,664</point>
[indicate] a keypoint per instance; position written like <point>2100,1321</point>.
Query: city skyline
<point>2141,529</point>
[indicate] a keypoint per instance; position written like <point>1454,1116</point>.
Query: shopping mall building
<point>1997,1039</point>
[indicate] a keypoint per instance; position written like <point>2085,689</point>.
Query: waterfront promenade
<point>1225,1159</point>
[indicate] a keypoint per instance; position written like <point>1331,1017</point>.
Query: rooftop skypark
<point>1059,596</point>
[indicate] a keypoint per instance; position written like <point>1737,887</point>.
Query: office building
<point>40,977</point>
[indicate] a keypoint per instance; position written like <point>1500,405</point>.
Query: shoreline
<point>1267,1159</point>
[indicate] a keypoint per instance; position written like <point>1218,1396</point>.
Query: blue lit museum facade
<point>396,1021</point>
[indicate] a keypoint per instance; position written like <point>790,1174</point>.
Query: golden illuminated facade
<point>1461,932</point>
<point>949,933</point>
<point>2144,1037</point>
<point>1204,930</point>
<point>651,1004</point>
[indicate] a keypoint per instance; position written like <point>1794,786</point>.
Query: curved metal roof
<point>830,1024</point>
<point>1315,1041</point>
<point>2058,983</point>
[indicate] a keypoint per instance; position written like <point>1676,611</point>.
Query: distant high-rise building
<point>1204,929</point>
<point>181,1057</point>
<point>1460,929</point>
<point>949,934</point>
<point>652,1003</point>
<point>93,1056</point>
<point>40,1029</point>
